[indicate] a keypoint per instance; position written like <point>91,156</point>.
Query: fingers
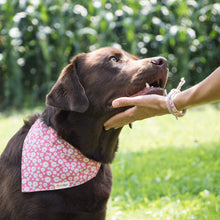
<point>120,119</point>
<point>143,107</point>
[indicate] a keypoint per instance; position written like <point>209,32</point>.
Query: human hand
<point>145,106</point>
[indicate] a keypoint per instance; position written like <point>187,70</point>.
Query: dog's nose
<point>160,61</point>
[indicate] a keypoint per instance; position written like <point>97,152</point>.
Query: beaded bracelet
<point>170,104</point>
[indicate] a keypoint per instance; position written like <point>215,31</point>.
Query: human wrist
<point>180,101</point>
<point>176,101</point>
<point>170,101</point>
<point>171,106</point>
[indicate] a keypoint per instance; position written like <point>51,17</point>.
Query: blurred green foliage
<point>38,37</point>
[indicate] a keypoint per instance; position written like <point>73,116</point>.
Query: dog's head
<point>94,79</point>
<point>83,94</point>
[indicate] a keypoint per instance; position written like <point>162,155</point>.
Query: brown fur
<point>77,107</point>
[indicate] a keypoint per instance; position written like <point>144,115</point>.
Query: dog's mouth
<point>148,87</point>
<point>155,87</point>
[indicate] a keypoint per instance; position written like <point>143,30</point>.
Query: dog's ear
<point>68,93</point>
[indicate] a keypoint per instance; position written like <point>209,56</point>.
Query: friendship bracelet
<point>170,104</point>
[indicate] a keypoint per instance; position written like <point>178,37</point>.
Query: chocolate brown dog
<point>77,107</point>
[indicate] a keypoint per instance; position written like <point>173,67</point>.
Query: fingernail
<point>106,128</point>
<point>115,103</point>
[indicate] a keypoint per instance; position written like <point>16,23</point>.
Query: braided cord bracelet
<point>170,104</point>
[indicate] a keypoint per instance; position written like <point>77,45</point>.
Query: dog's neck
<point>85,132</point>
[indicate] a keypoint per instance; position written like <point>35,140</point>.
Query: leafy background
<point>38,37</point>
<point>165,169</point>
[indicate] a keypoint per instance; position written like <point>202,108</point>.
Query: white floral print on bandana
<point>50,163</point>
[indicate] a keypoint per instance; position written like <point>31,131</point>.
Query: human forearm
<point>207,91</point>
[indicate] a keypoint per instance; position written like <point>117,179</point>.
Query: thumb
<point>127,101</point>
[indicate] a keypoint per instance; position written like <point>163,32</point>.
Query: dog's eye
<point>113,59</point>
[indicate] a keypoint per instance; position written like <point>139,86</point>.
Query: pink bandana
<point>50,163</point>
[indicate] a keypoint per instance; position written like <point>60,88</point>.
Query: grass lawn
<point>164,169</point>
